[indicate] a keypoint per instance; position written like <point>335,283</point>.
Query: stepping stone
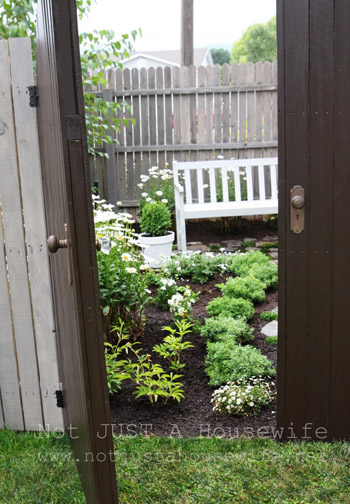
<point>270,329</point>
<point>275,310</point>
<point>247,240</point>
<point>273,254</point>
<point>270,239</point>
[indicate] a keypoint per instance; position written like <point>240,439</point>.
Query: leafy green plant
<point>247,287</point>
<point>269,315</point>
<point>231,307</point>
<point>115,366</point>
<point>243,397</point>
<point>155,219</point>
<point>240,264</point>
<point>227,361</point>
<point>195,265</point>
<point>173,344</point>
<point>236,330</point>
<point>272,340</point>
<point>266,272</point>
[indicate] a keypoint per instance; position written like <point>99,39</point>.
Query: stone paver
<point>270,329</point>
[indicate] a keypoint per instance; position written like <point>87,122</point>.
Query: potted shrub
<point>155,224</point>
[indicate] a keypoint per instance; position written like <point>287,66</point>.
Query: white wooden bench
<point>198,183</point>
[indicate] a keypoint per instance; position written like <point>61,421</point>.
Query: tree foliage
<point>220,56</point>
<point>99,51</point>
<point>258,43</point>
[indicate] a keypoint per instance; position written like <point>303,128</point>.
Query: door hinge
<point>59,399</point>
<point>33,96</point>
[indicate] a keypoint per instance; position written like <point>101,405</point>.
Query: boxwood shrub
<point>226,328</point>
<point>240,264</point>
<point>227,361</point>
<point>247,287</point>
<point>267,273</point>
<point>231,307</point>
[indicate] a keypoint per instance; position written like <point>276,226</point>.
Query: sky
<point>215,21</point>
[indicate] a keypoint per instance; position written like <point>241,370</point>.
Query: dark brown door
<point>67,191</point>
<point>314,152</point>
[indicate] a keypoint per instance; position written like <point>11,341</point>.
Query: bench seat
<point>231,209</point>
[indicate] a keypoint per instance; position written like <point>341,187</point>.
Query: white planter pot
<point>157,248</point>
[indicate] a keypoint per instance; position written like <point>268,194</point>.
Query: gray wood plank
<point>35,229</point>
<point>17,258</point>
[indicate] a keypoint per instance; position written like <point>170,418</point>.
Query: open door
<point>314,239</point>
<point>68,204</point>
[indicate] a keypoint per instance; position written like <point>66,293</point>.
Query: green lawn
<point>181,471</point>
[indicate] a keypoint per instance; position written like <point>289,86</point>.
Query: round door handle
<point>54,243</point>
<point>98,245</point>
<point>298,202</point>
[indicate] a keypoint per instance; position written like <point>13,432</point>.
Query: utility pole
<point>187,32</point>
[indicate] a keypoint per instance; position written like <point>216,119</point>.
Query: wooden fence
<point>28,353</point>
<point>187,113</point>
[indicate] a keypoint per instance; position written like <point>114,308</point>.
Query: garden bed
<point>194,416</point>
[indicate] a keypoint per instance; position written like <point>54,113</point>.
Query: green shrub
<point>272,340</point>
<point>240,264</point>
<point>227,361</point>
<point>199,267</point>
<point>231,307</point>
<point>247,287</point>
<point>267,273</point>
<point>155,218</point>
<point>243,397</point>
<point>269,315</point>
<point>226,328</point>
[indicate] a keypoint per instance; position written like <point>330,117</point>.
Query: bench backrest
<point>227,180</point>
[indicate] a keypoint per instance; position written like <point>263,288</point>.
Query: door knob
<point>298,202</point>
<point>54,243</point>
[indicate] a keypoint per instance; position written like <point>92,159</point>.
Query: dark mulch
<point>193,416</point>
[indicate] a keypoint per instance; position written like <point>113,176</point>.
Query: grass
<point>181,471</point>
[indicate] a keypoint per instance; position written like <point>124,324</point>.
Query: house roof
<point>172,56</point>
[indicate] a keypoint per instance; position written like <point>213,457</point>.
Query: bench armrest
<point>178,187</point>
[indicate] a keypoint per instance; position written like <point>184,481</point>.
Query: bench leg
<point>180,231</point>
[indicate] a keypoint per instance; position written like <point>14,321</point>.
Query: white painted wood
<point>224,182</point>
<point>237,184</point>
<point>190,210</point>
<point>200,185</point>
<point>249,174</point>
<point>212,185</point>
<point>188,187</point>
<point>9,382</point>
<point>35,229</point>
<point>273,181</point>
<point>17,259</point>
<point>262,193</point>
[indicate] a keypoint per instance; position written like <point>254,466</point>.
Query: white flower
<point>205,186</point>
<point>140,185</point>
<point>159,193</point>
<point>220,156</point>
<point>144,194</point>
<point>131,270</point>
<point>148,199</point>
<point>238,401</point>
<point>143,267</point>
<point>148,291</point>
<point>164,200</point>
<point>126,257</point>
<point>119,203</point>
<point>251,404</point>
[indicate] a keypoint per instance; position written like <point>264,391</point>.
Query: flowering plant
<point>243,397</point>
<point>158,185</point>
<point>181,303</point>
<point>166,290</point>
<point>122,271</point>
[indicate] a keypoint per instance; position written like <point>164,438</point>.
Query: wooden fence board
<point>16,259</point>
<point>35,229</point>
<point>195,113</point>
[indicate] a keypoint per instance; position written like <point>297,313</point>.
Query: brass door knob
<point>54,243</point>
<point>298,202</point>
